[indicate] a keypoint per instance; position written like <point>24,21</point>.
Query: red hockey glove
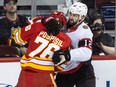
<point>51,25</point>
<point>60,57</point>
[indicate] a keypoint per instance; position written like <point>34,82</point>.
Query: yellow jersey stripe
<point>36,66</point>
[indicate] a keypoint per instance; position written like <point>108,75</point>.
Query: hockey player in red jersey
<point>44,38</point>
<point>78,70</point>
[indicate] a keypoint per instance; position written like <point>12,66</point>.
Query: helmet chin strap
<point>80,20</point>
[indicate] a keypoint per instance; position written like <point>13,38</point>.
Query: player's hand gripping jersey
<point>41,46</point>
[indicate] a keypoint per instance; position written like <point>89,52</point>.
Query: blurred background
<point>32,8</point>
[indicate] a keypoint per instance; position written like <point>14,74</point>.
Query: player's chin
<point>70,21</point>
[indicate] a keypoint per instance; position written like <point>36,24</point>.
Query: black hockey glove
<point>59,57</point>
<point>51,25</point>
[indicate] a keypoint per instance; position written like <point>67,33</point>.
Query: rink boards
<point>104,66</point>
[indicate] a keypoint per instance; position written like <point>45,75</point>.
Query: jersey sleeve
<point>23,35</point>
<point>84,50</point>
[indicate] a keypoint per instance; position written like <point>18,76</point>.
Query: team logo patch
<point>85,26</point>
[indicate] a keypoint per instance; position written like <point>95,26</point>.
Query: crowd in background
<point>102,42</point>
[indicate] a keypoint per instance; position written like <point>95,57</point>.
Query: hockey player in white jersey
<point>78,70</point>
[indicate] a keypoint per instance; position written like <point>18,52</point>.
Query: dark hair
<point>7,1</point>
<point>95,15</point>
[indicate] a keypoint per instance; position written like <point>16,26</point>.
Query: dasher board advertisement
<point>105,72</point>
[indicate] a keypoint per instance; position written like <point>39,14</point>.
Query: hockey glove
<point>60,57</point>
<point>51,25</point>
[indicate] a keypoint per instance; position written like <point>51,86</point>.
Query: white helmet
<point>78,8</point>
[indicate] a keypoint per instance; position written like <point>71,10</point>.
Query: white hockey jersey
<point>82,50</point>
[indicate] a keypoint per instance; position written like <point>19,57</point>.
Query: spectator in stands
<point>103,43</point>
<point>9,22</point>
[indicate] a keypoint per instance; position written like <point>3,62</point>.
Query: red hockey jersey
<point>41,46</point>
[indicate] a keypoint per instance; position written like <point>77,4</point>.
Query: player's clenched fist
<point>60,57</point>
